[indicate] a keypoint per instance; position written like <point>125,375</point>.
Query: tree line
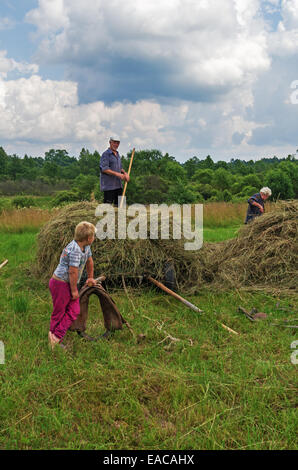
<point>155,177</point>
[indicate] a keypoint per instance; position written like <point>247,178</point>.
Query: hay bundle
<point>264,253</point>
<point>114,258</point>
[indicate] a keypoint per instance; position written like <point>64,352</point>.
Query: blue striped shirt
<point>72,255</point>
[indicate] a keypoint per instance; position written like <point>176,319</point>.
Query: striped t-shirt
<point>72,255</point>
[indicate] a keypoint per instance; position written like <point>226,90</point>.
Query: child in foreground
<point>64,282</point>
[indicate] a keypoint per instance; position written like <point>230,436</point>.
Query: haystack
<point>117,258</point>
<point>265,252</point>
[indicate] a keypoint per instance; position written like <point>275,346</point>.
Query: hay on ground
<point>263,254</point>
<point>114,258</point>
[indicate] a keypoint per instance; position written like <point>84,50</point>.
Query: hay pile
<point>114,258</point>
<point>263,254</point>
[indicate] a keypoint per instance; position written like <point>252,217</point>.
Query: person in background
<point>256,204</point>
<point>112,173</point>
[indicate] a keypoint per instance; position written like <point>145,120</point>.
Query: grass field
<point>190,384</point>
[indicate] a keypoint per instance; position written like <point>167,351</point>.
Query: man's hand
<point>75,294</point>
<point>126,176</point>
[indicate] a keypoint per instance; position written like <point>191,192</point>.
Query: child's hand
<point>91,282</point>
<point>75,294</point>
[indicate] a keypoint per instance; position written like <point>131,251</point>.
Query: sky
<point>187,77</point>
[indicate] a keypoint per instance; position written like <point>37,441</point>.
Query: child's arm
<point>90,271</point>
<point>73,281</point>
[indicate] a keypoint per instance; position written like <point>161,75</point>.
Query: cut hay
<point>116,258</point>
<point>263,254</point>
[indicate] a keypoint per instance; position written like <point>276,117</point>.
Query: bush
<point>23,201</point>
<point>239,199</point>
<point>64,197</point>
<point>280,184</point>
<point>227,196</point>
<point>207,191</point>
<point>248,191</point>
<point>252,180</point>
<point>5,204</point>
<point>98,194</point>
<point>85,185</point>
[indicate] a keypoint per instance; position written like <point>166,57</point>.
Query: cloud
<point>189,77</point>
<point>47,111</point>
<point>284,41</point>
<point>36,113</point>
<point>10,65</point>
<point>133,50</point>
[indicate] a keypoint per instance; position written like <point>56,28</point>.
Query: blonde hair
<point>83,231</point>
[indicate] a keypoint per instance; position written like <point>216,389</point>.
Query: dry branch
<point>4,263</point>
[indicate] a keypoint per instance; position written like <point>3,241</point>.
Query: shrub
<point>227,196</point>
<point>248,191</point>
<point>98,194</point>
<point>280,184</point>
<point>65,197</point>
<point>85,185</point>
<point>5,204</point>
<point>23,201</point>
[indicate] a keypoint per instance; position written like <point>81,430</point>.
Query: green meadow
<point>187,383</point>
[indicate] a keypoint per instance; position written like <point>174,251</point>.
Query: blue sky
<point>189,77</point>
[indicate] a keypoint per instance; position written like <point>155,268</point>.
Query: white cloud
<point>187,45</point>
<point>289,11</point>
<point>50,16</point>
<point>48,112</point>
<point>190,77</point>
<point>10,65</point>
<point>284,42</point>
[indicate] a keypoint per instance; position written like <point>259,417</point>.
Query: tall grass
<point>23,220</point>
<point>216,215</point>
<point>225,214</point>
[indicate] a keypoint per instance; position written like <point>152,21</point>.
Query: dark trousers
<point>111,197</point>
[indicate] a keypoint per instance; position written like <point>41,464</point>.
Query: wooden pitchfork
<point>125,186</point>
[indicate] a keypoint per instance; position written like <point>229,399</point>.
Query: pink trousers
<point>65,310</point>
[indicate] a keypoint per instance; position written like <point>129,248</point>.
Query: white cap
<point>115,138</point>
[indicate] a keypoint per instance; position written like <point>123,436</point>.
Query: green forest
<point>155,178</point>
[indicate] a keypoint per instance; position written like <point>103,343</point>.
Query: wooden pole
<point>4,263</point>
<point>229,329</point>
<point>185,302</point>
<point>125,186</point>
<point>173,294</point>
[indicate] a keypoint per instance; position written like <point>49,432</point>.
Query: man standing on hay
<point>112,173</point>
<point>256,204</point>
